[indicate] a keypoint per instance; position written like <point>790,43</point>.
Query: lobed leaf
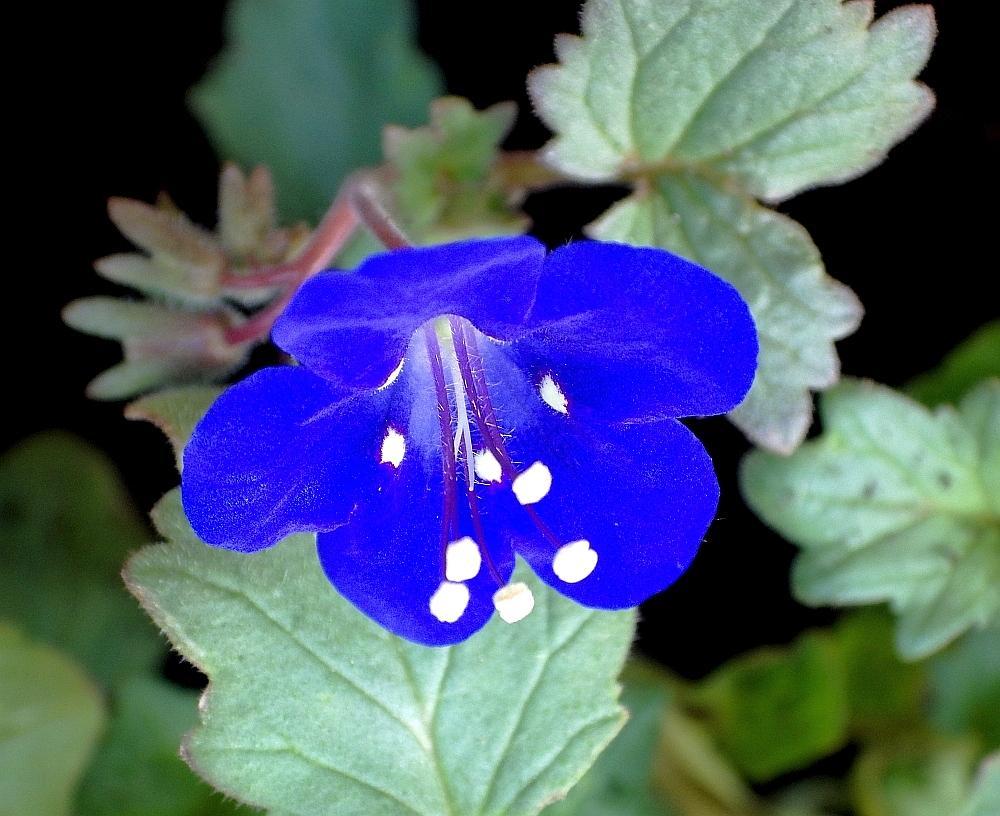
<point>501,724</point>
<point>893,503</point>
<point>707,105</point>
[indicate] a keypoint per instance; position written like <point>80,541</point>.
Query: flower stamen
<point>449,601</point>
<point>574,561</point>
<point>532,485</point>
<point>462,560</point>
<point>514,602</point>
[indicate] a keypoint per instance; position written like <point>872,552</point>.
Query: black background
<point>95,107</point>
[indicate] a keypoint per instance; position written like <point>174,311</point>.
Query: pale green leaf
<point>158,278</point>
<point>314,709</point>
<point>976,359</point>
<point>894,503</point>
<point>131,377</point>
<point>705,106</point>
<point>184,261</point>
<point>65,531</point>
<point>175,412</point>
<point>117,319</point>
<point>776,95</point>
<point>799,310</point>
<point>306,87</point>
<point>50,718</point>
<point>137,770</point>
<point>162,345</point>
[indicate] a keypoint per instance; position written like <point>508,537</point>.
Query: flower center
<point>464,405</point>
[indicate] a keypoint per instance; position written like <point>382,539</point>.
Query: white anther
<point>487,467</point>
<point>449,601</point>
<point>514,602</point>
<point>393,447</point>
<point>462,560</point>
<point>574,561</point>
<point>532,485</point>
<point>552,395</point>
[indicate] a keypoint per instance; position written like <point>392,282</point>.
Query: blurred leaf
<point>923,777</point>
<point>886,695</point>
<point>503,723</point>
<point>116,319</point>
<point>184,260</point>
<point>705,107</point>
<point>965,687</point>
<point>813,797</point>
<point>976,359</point>
<point>776,710</point>
<point>50,718</point>
<point>175,412</point>
<point>183,263</point>
<point>985,797</point>
<point>620,782</point>
<point>182,333</point>
<point>162,344</point>
<point>689,768</point>
<point>137,770</point>
<point>893,503</point>
<point>445,184</point>
<point>306,87</point>
<point>65,529</point>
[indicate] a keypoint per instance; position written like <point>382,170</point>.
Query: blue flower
<point>458,404</point>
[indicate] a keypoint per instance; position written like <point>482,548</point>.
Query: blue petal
<point>642,495</point>
<point>388,561</point>
<point>353,328</point>
<point>278,453</point>
<point>283,452</point>
<point>630,333</point>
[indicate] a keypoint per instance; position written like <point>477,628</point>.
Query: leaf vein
<point>309,650</point>
<point>290,748</point>
<point>727,77</point>
<point>533,687</point>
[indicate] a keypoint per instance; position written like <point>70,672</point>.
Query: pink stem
<point>357,203</point>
